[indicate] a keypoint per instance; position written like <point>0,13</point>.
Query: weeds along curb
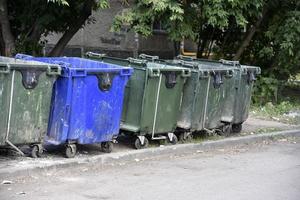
<point>121,158</point>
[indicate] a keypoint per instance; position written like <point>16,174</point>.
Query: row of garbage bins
<point>69,100</point>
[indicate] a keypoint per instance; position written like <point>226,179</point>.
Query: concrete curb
<point>121,158</point>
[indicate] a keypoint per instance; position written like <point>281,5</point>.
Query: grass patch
<point>285,111</point>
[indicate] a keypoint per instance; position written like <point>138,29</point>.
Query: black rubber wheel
<point>174,140</point>
<point>226,130</point>
<point>70,151</point>
<point>236,128</point>
<point>138,144</point>
<point>184,138</point>
<point>34,151</point>
<point>107,147</point>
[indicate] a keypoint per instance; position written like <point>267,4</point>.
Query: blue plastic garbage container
<point>86,103</point>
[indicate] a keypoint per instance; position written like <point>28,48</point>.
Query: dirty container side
<point>5,85</point>
<point>28,89</point>
<point>134,100</point>
<point>200,104</point>
<point>95,114</point>
<point>185,116</point>
<point>164,95</point>
<point>247,78</point>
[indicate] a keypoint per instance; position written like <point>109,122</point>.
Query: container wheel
<point>236,128</point>
<point>138,144</point>
<point>36,151</point>
<point>174,140</point>
<point>107,147</point>
<point>185,137</point>
<point>70,150</point>
<point>226,130</point>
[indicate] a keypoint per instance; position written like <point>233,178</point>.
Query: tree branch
<point>7,36</point>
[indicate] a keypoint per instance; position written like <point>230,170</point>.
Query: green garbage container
<point>208,97</point>
<point>25,96</point>
<point>152,98</point>
<point>237,107</point>
<point>247,76</point>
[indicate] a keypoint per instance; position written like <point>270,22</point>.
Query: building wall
<point>97,37</point>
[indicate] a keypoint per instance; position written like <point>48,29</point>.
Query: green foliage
<point>187,19</point>
<point>278,112</point>
<point>60,2</point>
<point>265,90</point>
<point>276,45</point>
<point>33,20</point>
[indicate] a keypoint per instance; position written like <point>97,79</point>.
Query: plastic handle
<point>154,72</point>
<point>218,81</point>
<point>148,57</point>
<point>251,77</point>
<point>203,74</point>
<point>4,69</point>
<point>23,56</point>
<point>189,64</point>
<point>229,74</point>
<point>54,70</point>
<point>79,72</point>
<point>258,70</point>
<point>96,55</point>
<point>125,72</point>
<point>185,58</point>
<point>135,61</point>
<point>229,62</point>
<point>186,73</point>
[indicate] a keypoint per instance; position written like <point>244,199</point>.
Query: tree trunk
<point>73,28</point>
<point>249,35</point>
<point>7,36</point>
<point>176,48</point>
<point>2,50</point>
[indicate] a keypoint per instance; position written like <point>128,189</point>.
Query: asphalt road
<point>265,171</point>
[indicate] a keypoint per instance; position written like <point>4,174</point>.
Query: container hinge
<point>218,79</point>
<point>170,79</point>
<point>251,77</point>
<point>105,81</point>
<point>30,77</point>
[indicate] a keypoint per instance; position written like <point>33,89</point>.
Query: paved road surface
<point>266,172</point>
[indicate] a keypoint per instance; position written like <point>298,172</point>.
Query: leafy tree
<point>202,21</point>
<point>260,32</point>
<point>276,45</point>
<point>24,23</point>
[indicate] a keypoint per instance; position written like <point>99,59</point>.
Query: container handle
<point>251,77</point>
<point>218,80</point>
<point>258,70</point>
<point>23,56</point>
<point>148,57</point>
<point>229,74</point>
<point>4,69</point>
<point>79,72</point>
<point>187,58</point>
<point>186,73</point>
<point>203,74</point>
<point>126,72</point>
<point>54,70</point>
<point>105,81</point>
<point>154,72</point>
<point>170,79</point>
<point>95,55</point>
<point>229,62</point>
<point>135,61</point>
